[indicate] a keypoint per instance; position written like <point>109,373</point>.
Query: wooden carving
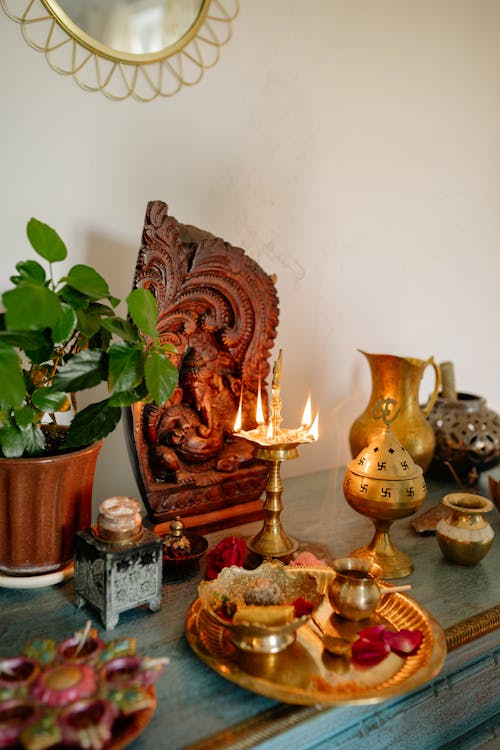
<point>220,311</point>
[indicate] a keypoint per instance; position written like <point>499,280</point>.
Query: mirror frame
<point>96,67</point>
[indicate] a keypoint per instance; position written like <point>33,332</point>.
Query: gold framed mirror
<point>127,48</point>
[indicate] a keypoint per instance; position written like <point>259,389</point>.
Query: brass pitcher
<point>395,388</point>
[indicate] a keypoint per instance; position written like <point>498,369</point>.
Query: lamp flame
<point>314,429</point>
<point>239,416</point>
<point>259,413</point>
<point>307,415</point>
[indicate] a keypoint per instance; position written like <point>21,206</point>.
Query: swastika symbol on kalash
<point>383,409</point>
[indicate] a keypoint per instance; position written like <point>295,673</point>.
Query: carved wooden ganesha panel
<point>220,311</point>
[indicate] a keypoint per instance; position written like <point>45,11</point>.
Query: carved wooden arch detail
<point>220,310</point>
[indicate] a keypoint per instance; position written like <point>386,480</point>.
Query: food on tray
<point>270,616</point>
<point>263,592</point>
<point>261,608</point>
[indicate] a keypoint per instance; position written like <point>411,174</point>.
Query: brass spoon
<point>335,645</point>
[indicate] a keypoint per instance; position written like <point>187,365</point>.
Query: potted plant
<point>59,336</point>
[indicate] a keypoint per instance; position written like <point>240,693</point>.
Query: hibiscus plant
<point>61,336</point>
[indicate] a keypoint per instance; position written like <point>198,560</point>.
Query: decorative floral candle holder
<point>50,701</point>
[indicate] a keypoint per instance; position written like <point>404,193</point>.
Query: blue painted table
<point>199,710</point>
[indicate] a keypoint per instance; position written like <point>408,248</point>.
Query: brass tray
<point>305,674</point>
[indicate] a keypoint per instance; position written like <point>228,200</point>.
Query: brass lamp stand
<point>272,541</point>
<point>275,444</point>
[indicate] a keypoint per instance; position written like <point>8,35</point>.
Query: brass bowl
<point>233,583</point>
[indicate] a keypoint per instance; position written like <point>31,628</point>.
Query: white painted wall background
<point>350,146</point>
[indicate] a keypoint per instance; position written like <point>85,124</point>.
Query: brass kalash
<point>275,444</point>
<point>385,484</point>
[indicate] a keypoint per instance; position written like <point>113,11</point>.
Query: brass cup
<point>354,591</point>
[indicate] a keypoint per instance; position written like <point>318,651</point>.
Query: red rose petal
<point>369,653</point>
<point>404,642</point>
<point>302,607</point>
<point>373,634</point>
<point>229,551</point>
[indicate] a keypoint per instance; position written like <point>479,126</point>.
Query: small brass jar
<point>463,534</point>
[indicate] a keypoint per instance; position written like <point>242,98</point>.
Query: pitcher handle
<point>437,386</point>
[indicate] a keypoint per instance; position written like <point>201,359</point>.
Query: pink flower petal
<point>306,560</point>
<point>404,642</point>
<point>368,653</point>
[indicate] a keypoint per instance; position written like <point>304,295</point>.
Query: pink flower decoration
<point>229,551</point>
<point>404,642</point>
<point>307,560</point>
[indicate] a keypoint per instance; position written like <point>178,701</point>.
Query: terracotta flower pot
<point>43,503</point>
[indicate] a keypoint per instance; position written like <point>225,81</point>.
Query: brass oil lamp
<point>275,444</point>
<point>384,484</point>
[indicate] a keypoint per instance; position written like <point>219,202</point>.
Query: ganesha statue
<point>219,311</point>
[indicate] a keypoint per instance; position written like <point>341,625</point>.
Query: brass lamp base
<point>272,542</point>
<point>381,550</point>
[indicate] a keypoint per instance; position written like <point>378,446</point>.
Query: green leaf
<point>40,353</point>
<point>92,423</point>
<point>120,327</point>
<point>11,441</point>
<point>25,415</point>
<point>29,270</point>
<point>46,241</point>
<point>89,322</point>
<point>104,310</point>
<point>129,397</point>
<point>161,377</point>
<point>13,387</point>
<point>77,300</point>
<point>23,339</point>
<point>87,281</point>
<point>49,399</point>
<point>144,311</point>
<point>34,440</point>
<point>30,307</point>
<point>85,370</point>
<point>65,326</point>
<point>113,301</point>
<point>100,340</point>
<point>126,367</point>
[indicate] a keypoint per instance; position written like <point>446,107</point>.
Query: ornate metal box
<point>114,578</point>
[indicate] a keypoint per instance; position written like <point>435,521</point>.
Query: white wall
<point>350,146</point>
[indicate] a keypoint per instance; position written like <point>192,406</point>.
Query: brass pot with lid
<point>385,484</point>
